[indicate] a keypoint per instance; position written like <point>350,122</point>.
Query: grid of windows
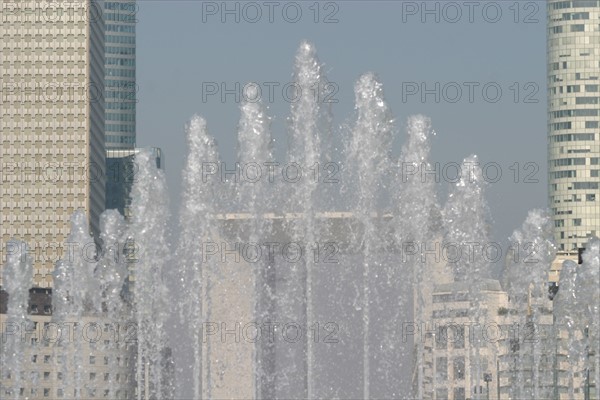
<point>51,126</point>
<point>120,74</point>
<point>573,118</point>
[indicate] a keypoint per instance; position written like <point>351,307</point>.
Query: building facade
<point>573,56</point>
<point>462,353</point>
<point>120,83</point>
<point>89,357</point>
<point>52,115</point>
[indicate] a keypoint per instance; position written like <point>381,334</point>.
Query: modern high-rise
<point>51,123</point>
<point>573,48</point>
<point>120,84</point>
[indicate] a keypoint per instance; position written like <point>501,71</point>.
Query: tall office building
<point>51,123</point>
<point>573,51</point>
<point>120,86</point>
<point>573,48</point>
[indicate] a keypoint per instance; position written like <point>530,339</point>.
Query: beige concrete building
<point>516,350</point>
<point>93,353</point>
<point>462,353</point>
<point>51,123</point>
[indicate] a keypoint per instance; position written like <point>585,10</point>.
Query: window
<point>459,368</point>
<point>584,3</point>
<point>578,28</point>
<point>92,360</point>
<point>92,376</point>
<point>441,368</point>
<point>585,185</point>
<point>591,124</point>
<point>590,197</point>
<point>441,394</point>
<point>561,4</point>
<point>458,341</point>
<point>46,359</point>
<point>586,100</point>
<point>564,174</point>
<point>561,162</point>
<point>562,125</point>
<point>580,15</point>
<point>459,393</point>
<point>441,338</point>
<point>573,137</point>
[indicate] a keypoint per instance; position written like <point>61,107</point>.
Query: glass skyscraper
<point>120,176</point>
<point>573,48</point>
<point>120,84</point>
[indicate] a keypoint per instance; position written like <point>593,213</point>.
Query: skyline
<point>395,173</point>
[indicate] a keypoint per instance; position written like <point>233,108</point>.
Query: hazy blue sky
<point>181,46</point>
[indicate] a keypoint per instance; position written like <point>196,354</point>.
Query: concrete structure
<point>120,73</point>
<point>573,48</point>
<point>52,130</point>
<point>268,295</point>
